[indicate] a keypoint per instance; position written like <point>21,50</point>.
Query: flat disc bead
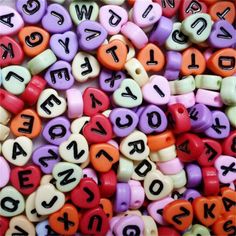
<point>75,103</point>
<point>42,61</point>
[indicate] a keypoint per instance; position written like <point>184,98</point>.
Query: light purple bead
<point>220,127</point>
<point>191,194</point>
<point>91,35</point>
<point>200,117</point>
<point>57,19</point>
<point>223,35</point>
<point>110,80</point>
<point>57,130</point>
<point>124,121</point>
<point>194,175</point>
<point>122,198</point>
<point>59,76</point>
<point>139,110</point>
<point>65,46</point>
<point>46,157</point>
<point>173,65</point>
<point>161,31</point>
<point>152,119</point>
<point>31,11</point>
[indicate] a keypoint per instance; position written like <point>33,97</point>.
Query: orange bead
<point>207,210</point>
<point>193,62</point>
<point>34,40</point>
<point>65,221</point>
<point>151,57</point>
<point>179,213</point>
<point>106,205</point>
<point>223,10</point>
<point>103,156</point>
<point>131,2</point>
<point>26,123</point>
<point>159,141</point>
<point>225,225</point>
<point>223,62</point>
<point>228,200</point>
<point>113,55</point>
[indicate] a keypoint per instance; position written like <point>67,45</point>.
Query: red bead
<point>107,185</point>
<point>164,231</point>
<point>4,224</point>
<point>94,222</point>
<point>33,90</point>
<point>178,118</point>
<point>25,179</point>
<point>211,185</point>
<point>98,129</point>
<point>189,7</point>
<point>86,194</point>
<point>189,147</point>
<point>212,150</point>
<point>169,8</point>
<point>229,145</point>
<point>11,52</point>
<point>10,102</point>
<point>95,101</point>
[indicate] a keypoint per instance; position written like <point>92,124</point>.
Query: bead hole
<point>180,110</point>
<point>138,71</point>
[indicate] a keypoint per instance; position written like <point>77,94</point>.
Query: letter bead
<point>157,185</point>
<point>12,202</point>
<point>134,146</point>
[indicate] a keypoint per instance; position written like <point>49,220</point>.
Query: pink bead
<point>209,98</point>
<point>112,18</point>
<point>146,13</point>
<point>90,173</point>
<point>113,143</point>
<point>156,90</point>
<point>155,209</point>
<point>171,167</point>
<point>137,194</point>
<point>135,34</point>
<point>5,172</point>
<point>188,99</point>
<point>75,103</point>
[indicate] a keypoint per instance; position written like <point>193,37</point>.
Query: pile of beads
<point>118,118</point>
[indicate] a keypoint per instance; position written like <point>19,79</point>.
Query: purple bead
<point>194,175</point>
<point>152,119</point>
<point>200,117</point>
<point>57,19</point>
<point>161,31</point>
<point>59,76</point>
<point>139,110</point>
<point>46,157</point>
<point>31,11</point>
<point>110,80</point>
<point>173,65</point>
<point>220,127</point>
<point>124,121</point>
<point>65,46</point>
<point>57,130</point>
<point>223,34</point>
<point>91,35</point>
<point>122,198</point>
<point>191,194</point>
